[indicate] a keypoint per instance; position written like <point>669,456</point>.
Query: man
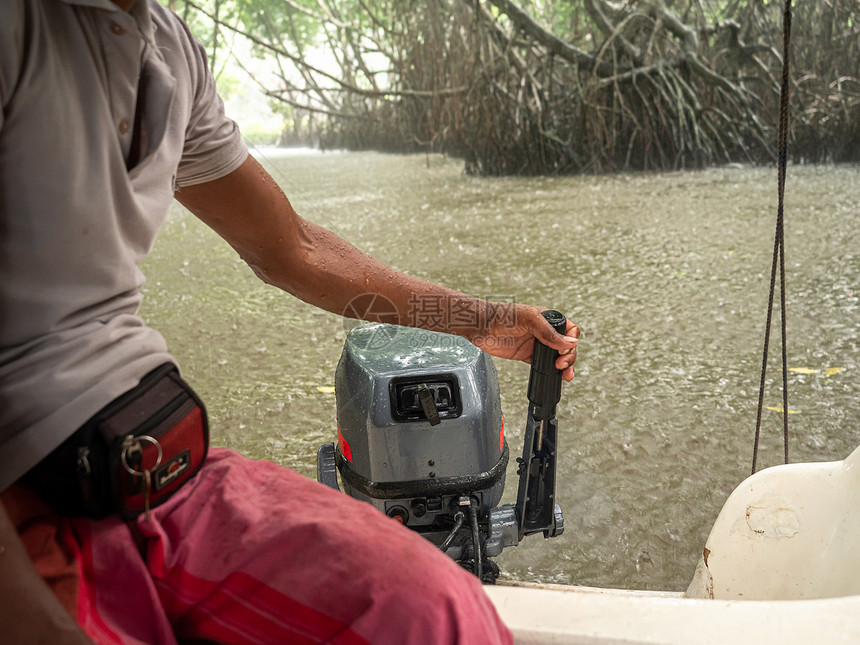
<point>108,112</point>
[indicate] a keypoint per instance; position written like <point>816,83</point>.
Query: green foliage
<point>228,86</point>
<point>548,86</point>
<point>273,21</point>
<point>261,135</point>
<point>279,22</point>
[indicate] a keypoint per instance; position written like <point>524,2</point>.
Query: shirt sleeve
<point>213,144</point>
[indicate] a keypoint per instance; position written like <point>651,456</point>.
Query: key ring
<point>131,440</point>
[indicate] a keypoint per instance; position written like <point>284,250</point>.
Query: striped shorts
<point>250,552</point>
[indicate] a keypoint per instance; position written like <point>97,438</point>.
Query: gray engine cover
<point>384,453</point>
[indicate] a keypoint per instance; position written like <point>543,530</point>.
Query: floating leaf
<point>830,371</point>
<point>325,389</point>
<point>803,370</point>
<point>770,407</point>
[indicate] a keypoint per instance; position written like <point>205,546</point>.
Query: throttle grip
<point>544,389</point>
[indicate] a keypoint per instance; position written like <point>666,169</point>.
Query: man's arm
<point>30,613</point>
<point>249,210</point>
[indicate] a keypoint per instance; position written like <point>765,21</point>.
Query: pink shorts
<point>251,552</point>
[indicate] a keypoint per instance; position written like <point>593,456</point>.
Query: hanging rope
<point>778,250</point>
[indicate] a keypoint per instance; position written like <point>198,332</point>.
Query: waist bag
<point>132,455</point>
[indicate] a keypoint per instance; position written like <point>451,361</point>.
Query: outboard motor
<point>421,437</point>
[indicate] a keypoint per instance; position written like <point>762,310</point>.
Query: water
<point>666,274</point>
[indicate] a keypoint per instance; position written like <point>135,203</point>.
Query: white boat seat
<point>788,532</point>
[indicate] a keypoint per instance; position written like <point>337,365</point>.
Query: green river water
<point>666,274</point>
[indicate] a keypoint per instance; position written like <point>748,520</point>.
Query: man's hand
<point>511,332</point>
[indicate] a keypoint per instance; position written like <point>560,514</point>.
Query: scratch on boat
<point>709,582</point>
<point>773,521</point>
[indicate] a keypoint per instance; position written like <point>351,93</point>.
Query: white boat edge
<point>781,565</point>
<point>561,615</point>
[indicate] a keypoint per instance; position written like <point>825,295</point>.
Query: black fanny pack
<point>131,456</point>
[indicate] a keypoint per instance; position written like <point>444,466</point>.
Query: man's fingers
<point>566,361</point>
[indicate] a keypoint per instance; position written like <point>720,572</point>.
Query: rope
<point>778,250</point>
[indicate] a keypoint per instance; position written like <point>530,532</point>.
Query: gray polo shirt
<point>104,115</point>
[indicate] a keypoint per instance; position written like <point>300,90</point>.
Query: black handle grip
<point>545,379</point>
